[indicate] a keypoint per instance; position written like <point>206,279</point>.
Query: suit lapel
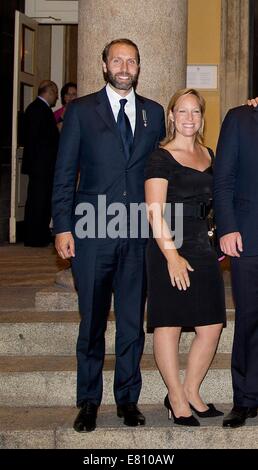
<point>105,112</point>
<point>140,121</point>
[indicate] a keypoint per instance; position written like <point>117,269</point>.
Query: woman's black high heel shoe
<point>212,412</point>
<point>183,420</point>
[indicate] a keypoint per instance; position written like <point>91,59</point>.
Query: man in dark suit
<point>107,137</point>
<point>40,150</point>
<point>236,209</point>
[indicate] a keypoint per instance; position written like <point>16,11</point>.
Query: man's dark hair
<point>119,41</point>
<point>65,90</point>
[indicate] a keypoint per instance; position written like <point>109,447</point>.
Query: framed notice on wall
<point>204,77</point>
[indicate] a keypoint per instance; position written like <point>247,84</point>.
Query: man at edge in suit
<point>39,157</point>
<point>107,137</point>
<point>236,209</point>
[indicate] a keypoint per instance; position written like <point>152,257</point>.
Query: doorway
<point>42,51</point>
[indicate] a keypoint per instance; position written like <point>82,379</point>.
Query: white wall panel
<point>63,11</point>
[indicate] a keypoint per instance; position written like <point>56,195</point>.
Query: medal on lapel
<point>144,117</point>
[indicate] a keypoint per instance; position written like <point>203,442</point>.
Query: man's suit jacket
<point>41,138</point>
<point>91,144</point>
<point>236,177</point>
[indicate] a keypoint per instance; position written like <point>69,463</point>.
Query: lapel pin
<point>144,117</point>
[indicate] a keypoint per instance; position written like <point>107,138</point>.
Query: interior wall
<point>71,52</point>
<point>64,52</point>
<point>44,52</point>
<point>203,47</point>
<point>52,12</point>
<point>58,59</point>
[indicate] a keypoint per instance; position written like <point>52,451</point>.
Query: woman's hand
<point>178,271</point>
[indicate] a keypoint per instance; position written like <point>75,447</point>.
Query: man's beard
<point>121,85</point>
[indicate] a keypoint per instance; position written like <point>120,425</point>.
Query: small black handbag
<point>213,235</point>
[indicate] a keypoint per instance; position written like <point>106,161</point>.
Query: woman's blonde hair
<point>171,131</point>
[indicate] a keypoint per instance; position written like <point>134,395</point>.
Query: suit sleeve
<point>66,172</point>
<point>225,172</point>
<point>40,141</point>
<point>32,134</point>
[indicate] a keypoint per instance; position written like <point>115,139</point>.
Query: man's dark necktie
<point>125,129</point>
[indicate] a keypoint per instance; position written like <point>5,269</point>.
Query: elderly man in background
<point>39,157</point>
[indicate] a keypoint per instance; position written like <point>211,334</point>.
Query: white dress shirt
<point>114,99</point>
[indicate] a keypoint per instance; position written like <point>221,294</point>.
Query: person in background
<point>185,284</point>
<point>68,94</point>
<point>39,157</point>
<point>236,203</point>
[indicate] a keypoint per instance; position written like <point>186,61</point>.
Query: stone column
<point>158,27</point>
<point>234,74</point>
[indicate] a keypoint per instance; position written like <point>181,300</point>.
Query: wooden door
<point>25,83</point>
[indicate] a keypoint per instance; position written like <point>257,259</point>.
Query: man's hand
<point>253,102</point>
<point>231,244</point>
<point>64,244</point>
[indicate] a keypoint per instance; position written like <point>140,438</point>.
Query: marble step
<point>33,333</point>
<point>51,380</point>
<point>26,266</point>
<point>19,298</point>
<point>51,428</point>
<point>58,298</point>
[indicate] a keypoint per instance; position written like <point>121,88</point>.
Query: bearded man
<point>107,137</point>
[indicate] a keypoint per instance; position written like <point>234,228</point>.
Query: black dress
<point>203,303</point>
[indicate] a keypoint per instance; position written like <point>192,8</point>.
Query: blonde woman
<point>185,285</point>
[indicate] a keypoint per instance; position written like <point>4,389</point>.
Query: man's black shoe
<point>131,414</point>
<point>86,419</point>
<point>238,415</point>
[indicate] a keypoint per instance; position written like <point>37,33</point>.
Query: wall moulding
<point>234,69</point>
